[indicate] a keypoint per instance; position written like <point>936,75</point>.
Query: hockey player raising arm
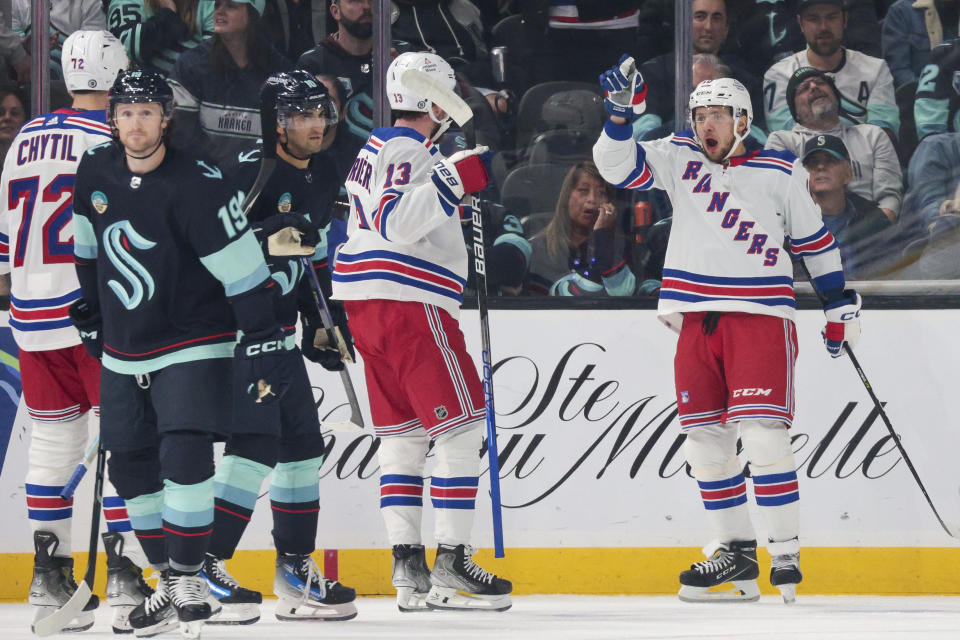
<point>728,291</point>
<point>401,274</point>
<point>169,270</point>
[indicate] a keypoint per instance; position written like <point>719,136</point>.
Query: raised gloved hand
<point>316,345</point>
<point>624,90</point>
<point>843,323</point>
<point>90,325</point>
<point>262,367</point>
<point>287,234</point>
<point>462,173</point>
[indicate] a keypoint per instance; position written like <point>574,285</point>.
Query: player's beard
<point>359,30</point>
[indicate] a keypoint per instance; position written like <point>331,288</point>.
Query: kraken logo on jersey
<point>285,203</point>
<point>99,201</point>
<point>288,281</point>
<point>118,238</point>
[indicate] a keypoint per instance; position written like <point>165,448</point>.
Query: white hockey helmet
<point>723,92</point>
<point>402,98</point>
<point>91,60</point>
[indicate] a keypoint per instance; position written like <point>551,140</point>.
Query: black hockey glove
<point>276,238</point>
<point>316,345</point>
<point>262,367</point>
<point>90,325</point>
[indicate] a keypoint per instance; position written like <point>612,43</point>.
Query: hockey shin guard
<point>772,465</point>
<point>402,460</point>
<point>295,503</point>
<point>236,486</point>
<point>453,487</point>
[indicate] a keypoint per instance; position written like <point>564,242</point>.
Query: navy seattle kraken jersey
<point>159,254</point>
<point>310,192</point>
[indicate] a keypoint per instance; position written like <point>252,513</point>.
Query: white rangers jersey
<point>404,240</point>
<point>864,82</point>
<point>733,224</point>
<point>36,224</point>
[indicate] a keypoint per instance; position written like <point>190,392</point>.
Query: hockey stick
<point>952,530</point>
<point>268,135</point>
<point>355,423</point>
<point>81,470</point>
<point>57,620</point>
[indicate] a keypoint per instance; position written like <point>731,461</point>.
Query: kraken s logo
<point>119,237</point>
<point>286,280</point>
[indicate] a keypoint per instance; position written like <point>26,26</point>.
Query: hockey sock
<point>775,487</point>
<point>146,517</point>
<point>236,486</point>
<point>402,459</point>
<point>55,450</point>
<point>453,487</point>
<point>187,523</point>
<point>295,503</point>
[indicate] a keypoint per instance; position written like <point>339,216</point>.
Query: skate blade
<point>168,624</point>
<point>121,618</point>
<point>788,592</point>
<point>190,630</point>
<point>287,611</point>
<point>345,426</point>
<point>83,621</point>
<point>409,600</point>
<point>235,614</point>
<point>450,599</point>
<point>741,591</point>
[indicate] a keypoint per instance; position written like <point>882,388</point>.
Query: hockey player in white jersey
<point>401,274</point>
<point>728,291</point>
<point>61,381</point>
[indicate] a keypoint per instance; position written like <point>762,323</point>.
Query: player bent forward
<point>728,291</point>
<point>401,274</point>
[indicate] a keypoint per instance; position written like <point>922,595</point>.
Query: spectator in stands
<point>935,192</point>
<point>855,222</point>
<point>216,86</point>
<point>156,32</point>
<point>13,113</point>
<point>936,108</point>
<point>66,16</point>
<point>814,102</point>
<point>347,54</point>
<point>910,31</point>
<point>580,252</point>
<point>289,25</point>
<point>13,53</point>
<point>710,28</point>
<point>864,82</point>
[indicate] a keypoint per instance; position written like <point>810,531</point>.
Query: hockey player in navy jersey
<point>405,261</point>
<point>298,196</point>
<point>61,382</point>
<point>169,270</point>
<point>728,291</point>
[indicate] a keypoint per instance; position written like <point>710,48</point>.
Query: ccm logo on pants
<point>737,393</point>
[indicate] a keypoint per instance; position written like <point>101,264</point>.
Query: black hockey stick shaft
<point>268,134</point>
<point>951,531</point>
<point>95,517</point>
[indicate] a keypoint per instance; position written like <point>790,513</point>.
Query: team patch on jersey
<point>285,203</point>
<point>99,201</point>
<point>684,396</point>
<point>441,412</point>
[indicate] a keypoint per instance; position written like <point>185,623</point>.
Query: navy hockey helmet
<point>141,86</point>
<point>298,91</point>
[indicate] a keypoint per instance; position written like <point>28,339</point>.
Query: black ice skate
<point>461,584</point>
<point>238,605</point>
<point>785,575</point>
<point>155,615</point>
<point>304,594</point>
<point>733,563</point>
<point>53,583</point>
<point>190,596</point>
<point>411,577</point>
<point>126,587</point>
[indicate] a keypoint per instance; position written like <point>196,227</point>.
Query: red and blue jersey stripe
<point>399,268</point>
<point>687,286</point>
<point>820,242</point>
<point>40,314</point>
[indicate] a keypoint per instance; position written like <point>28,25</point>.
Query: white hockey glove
<point>462,173</point>
<point>624,89</point>
<point>843,323</point>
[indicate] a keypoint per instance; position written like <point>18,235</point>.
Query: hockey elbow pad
<point>90,325</point>
<point>843,323</point>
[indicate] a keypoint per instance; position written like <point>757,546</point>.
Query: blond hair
<point>557,232</point>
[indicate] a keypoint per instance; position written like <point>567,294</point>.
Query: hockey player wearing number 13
<point>169,270</point>
<point>401,274</point>
<point>728,291</point>
<point>298,195</point>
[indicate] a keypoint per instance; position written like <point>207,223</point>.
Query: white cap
<point>723,92</point>
<point>400,97</point>
<point>91,60</point>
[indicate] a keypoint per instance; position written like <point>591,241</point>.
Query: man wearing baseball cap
<point>864,83</point>
<point>854,221</point>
